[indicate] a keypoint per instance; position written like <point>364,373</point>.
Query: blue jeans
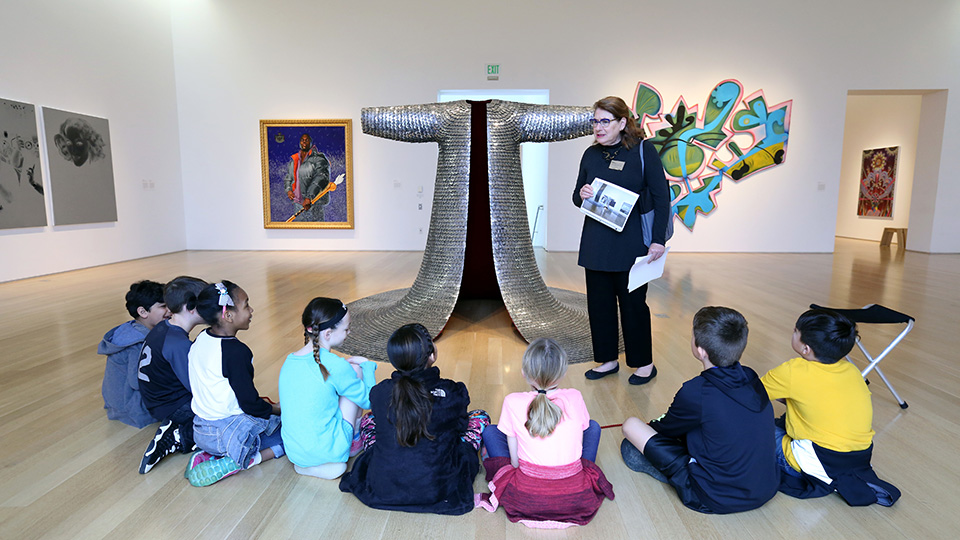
<point>778,434</point>
<point>240,436</point>
<point>496,442</point>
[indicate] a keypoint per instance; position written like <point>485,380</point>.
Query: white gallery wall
<point>242,61</point>
<point>184,84</point>
<point>112,59</point>
<point>874,121</point>
<point>933,193</point>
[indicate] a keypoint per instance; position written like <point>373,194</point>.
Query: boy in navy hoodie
<point>713,443</point>
<point>164,376</point>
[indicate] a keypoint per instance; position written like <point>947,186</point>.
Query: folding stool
<point>877,314</point>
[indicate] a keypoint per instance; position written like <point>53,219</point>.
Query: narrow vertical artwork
<point>878,177</point>
<point>21,181</point>
<point>81,167</point>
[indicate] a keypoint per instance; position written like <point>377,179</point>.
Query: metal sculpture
<point>536,310</point>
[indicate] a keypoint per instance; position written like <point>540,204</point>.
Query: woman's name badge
<point>616,165</point>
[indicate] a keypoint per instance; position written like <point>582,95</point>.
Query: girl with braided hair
<point>424,458</point>
<point>322,394</point>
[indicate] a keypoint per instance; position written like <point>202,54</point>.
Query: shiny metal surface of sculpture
<point>536,310</point>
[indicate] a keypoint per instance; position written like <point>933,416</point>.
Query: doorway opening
<point>911,121</point>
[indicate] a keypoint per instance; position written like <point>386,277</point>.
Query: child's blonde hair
<point>544,364</point>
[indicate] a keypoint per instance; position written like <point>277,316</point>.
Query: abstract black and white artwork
<point>81,167</point>
<point>21,182</point>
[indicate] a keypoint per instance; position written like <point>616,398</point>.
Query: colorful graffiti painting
<point>878,176</point>
<point>733,138</point>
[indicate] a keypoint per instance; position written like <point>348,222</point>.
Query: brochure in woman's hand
<point>610,204</point>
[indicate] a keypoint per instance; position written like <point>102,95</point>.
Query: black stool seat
<point>877,314</point>
<point>872,314</point>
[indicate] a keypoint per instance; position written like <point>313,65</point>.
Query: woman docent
<point>607,255</point>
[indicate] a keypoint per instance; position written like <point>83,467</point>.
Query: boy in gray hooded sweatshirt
<point>121,345</point>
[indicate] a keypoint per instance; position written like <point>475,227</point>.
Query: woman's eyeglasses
<point>602,121</point>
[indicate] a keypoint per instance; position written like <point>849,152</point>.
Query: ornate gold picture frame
<point>307,168</point>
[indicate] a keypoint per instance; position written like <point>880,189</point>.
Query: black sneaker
<point>165,442</point>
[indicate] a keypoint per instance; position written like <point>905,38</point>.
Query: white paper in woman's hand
<point>643,272</point>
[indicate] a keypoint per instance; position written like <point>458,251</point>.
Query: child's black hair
<point>409,350</point>
<point>722,332</point>
<point>208,302</point>
<point>181,292</point>
<point>143,294</point>
<point>830,335</point>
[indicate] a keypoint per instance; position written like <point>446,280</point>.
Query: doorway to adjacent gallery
<point>534,157</point>
<point>905,126</point>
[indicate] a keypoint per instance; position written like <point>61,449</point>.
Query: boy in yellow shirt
<point>826,438</point>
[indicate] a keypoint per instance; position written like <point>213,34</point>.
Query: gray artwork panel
<point>81,167</point>
<point>21,180</point>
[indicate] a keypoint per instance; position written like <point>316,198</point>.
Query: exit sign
<point>493,72</point>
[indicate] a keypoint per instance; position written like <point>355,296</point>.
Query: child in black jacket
<point>713,444</point>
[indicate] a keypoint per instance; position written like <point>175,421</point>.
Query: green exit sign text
<point>493,72</point>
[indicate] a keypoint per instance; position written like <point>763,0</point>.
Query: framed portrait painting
<point>307,171</point>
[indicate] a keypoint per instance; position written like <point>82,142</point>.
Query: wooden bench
<point>888,236</point>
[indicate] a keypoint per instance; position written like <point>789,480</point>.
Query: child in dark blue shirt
<point>713,444</point>
<point>163,375</point>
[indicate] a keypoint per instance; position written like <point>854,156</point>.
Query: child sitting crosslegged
<point>541,467</point>
<point>234,427</point>
<point>423,457</point>
<point>121,345</point>
<point>825,441</point>
<point>322,394</point>
<point>713,444</point>
<point>163,374</point>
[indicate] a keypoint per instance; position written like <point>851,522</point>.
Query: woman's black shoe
<point>636,379</point>
<point>594,375</point>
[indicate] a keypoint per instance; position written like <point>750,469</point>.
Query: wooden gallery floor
<point>68,472</point>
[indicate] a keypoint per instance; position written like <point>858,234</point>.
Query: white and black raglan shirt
<point>221,379</point>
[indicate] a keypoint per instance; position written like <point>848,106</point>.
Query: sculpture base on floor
<point>374,318</point>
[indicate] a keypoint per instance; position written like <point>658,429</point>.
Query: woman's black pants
<point>606,291</point>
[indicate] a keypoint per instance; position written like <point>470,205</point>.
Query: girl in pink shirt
<point>541,456</point>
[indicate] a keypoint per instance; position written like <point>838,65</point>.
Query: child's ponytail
<point>544,364</point>
<point>319,315</point>
<point>409,350</point>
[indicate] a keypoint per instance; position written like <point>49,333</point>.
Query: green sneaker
<point>195,459</point>
<point>212,471</point>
